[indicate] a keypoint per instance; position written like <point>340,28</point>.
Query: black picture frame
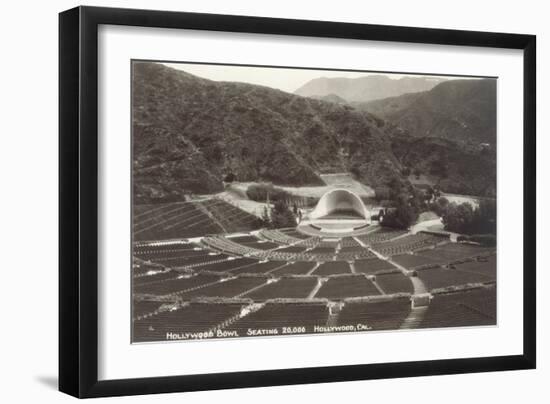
<point>78,201</point>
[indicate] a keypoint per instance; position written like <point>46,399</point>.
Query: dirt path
<point>433,225</point>
<point>236,198</point>
<point>472,200</point>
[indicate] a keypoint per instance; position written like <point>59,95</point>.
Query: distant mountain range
<point>330,98</point>
<point>367,88</point>
<point>190,132</point>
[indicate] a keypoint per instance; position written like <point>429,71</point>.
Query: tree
<point>458,218</point>
<point>355,170</point>
<point>440,166</point>
<point>402,216</point>
<point>430,193</point>
<point>439,206</point>
<point>464,218</point>
<point>406,203</point>
<point>396,188</point>
<point>437,191</point>
<point>487,216</point>
<point>382,193</point>
<point>281,216</point>
<point>266,219</point>
<point>416,198</point>
<point>229,177</point>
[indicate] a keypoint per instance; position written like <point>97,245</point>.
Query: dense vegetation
<point>257,133</point>
<point>460,110</point>
<point>403,204</point>
<point>467,219</point>
<point>447,134</point>
<point>168,167</point>
<point>453,169</point>
<point>189,133</point>
<point>279,216</point>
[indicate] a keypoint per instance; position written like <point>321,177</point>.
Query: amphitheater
<point>204,269</point>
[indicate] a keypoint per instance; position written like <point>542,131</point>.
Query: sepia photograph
<point>287,201</point>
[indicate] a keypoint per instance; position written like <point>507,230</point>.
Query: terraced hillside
<point>189,219</point>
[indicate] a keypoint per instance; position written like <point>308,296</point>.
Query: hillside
<point>330,98</point>
<point>189,132</point>
<point>455,169</point>
<point>368,88</point>
<point>460,110</point>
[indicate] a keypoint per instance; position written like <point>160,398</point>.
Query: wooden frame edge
<point>69,79</point>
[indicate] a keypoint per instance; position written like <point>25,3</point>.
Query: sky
<point>283,79</point>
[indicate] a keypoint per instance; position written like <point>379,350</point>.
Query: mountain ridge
<point>190,132</point>
<point>366,88</point>
<point>462,110</point>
